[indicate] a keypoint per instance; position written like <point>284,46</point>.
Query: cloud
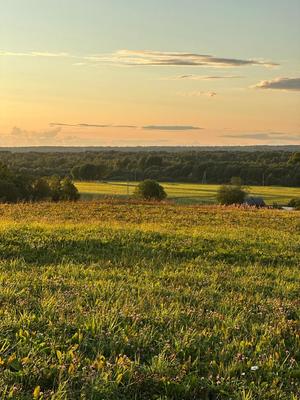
<point>125,126</point>
<point>290,84</point>
<point>20,136</point>
<point>197,94</point>
<point>160,58</point>
<point>84,125</point>
<point>34,54</point>
<point>147,127</point>
<point>147,58</point>
<point>93,126</point>
<point>201,77</point>
<point>80,125</point>
<point>171,128</point>
<point>265,136</point>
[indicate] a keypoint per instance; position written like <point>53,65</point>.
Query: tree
<point>150,190</point>
<point>41,189</point>
<point>20,187</point>
<point>23,184</point>
<point>294,158</point>
<point>153,160</point>
<point>75,172</point>
<point>236,181</point>
<point>55,188</point>
<point>69,190</point>
<point>8,192</point>
<point>89,172</point>
<point>231,194</point>
<point>5,173</point>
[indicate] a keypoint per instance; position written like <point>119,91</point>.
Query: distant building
<point>255,201</point>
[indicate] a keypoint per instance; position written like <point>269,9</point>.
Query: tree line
<point>15,187</point>
<point>215,167</point>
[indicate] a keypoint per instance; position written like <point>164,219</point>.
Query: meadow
<point>126,300</point>
<point>184,193</point>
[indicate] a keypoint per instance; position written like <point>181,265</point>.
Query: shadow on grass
<point>42,247</point>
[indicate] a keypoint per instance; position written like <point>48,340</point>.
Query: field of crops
<point>115,300</point>
<point>184,193</point>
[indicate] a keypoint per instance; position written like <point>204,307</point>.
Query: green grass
<point>118,300</point>
<point>185,193</point>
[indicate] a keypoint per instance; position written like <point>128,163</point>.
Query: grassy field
<point>185,193</point>
<point>118,300</point>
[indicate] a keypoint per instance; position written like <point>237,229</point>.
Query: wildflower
<point>37,392</point>
<point>254,368</point>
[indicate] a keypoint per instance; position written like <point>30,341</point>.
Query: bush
<point>295,203</point>
<point>229,194</point>
<point>150,190</point>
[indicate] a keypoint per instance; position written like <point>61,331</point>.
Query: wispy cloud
<point>171,128</point>
<point>146,127</point>
<point>197,93</point>
<point>84,125</point>
<point>266,136</point>
<point>201,77</point>
<point>163,58</point>
<point>148,58</point>
<point>34,54</point>
<point>125,126</point>
<point>287,84</point>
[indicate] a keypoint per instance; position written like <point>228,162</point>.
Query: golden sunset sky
<point>137,72</point>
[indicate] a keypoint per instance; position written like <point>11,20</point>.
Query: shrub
<point>295,203</point>
<point>229,194</point>
<point>150,190</point>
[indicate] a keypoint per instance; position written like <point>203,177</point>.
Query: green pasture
<point>184,193</point>
<point>118,300</point>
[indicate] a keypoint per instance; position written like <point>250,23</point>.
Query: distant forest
<point>258,167</point>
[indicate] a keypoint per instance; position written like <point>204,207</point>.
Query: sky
<point>146,73</point>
